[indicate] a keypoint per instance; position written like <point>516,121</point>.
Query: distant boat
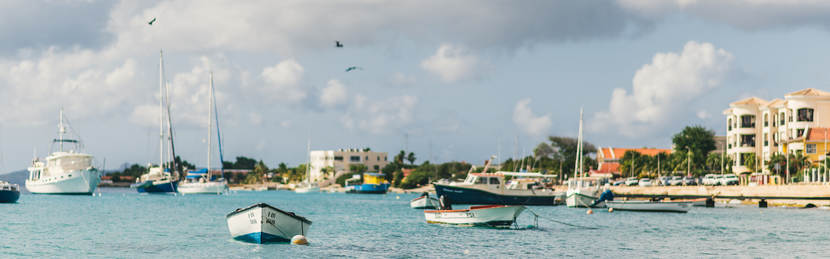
<point>500,216</point>
<point>581,192</point>
<point>307,185</point>
<point>161,178</point>
<point>373,183</point>
<point>64,171</point>
<point>424,202</point>
<point>201,182</point>
<point>263,223</point>
<point>9,193</point>
<point>651,206</point>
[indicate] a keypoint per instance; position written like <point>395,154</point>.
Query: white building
<point>340,160</point>
<point>781,120</point>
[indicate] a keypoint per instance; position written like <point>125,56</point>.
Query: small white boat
<point>307,188</point>
<point>307,185</point>
<point>203,187</point>
<point>651,206</point>
<point>263,223</point>
<point>699,202</point>
<point>500,216</point>
<point>424,202</point>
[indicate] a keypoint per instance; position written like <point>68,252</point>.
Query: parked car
<point>631,181</point>
<point>728,179</point>
<point>689,181</point>
<point>710,179</point>
<point>618,183</point>
<point>645,182</point>
<point>676,180</point>
<point>663,180</point>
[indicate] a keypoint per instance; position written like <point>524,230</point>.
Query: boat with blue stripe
<point>262,223</point>
<point>372,183</point>
<point>156,181</point>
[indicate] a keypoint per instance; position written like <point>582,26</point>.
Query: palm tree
<point>713,161</point>
<point>797,162</point>
<point>777,159</point>
<point>411,158</point>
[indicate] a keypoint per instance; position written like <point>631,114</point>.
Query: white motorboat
<point>263,223</point>
<point>64,171</point>
<point>201,182</point>
<point>651,206</point>
<point>424,202</point>
<point>307,188</point>
<point>500,216</point>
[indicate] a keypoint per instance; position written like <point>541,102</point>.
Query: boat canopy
<point>526,174</point>
<point>197,173</point>
<point>374,178</point>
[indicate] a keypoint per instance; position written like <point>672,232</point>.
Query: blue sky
<point>463,80</point>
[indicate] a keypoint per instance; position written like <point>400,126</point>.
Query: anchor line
<point>560,222</point>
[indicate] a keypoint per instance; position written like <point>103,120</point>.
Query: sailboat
<point>160,179</point>
<point>63,171</point>
<point>307,185</point>
<point>581,193</point>
<point>200,181</point>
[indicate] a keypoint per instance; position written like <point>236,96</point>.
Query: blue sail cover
<point>197,174</point>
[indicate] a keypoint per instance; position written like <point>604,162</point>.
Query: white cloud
<point>702,114</point>
<point>744,14</point>
<point>380,117</point>
<point>664,89</point>
<point>334,94</point>
<point>255,118</point>
<point>528,122</point>
<point>451,63</point>
<point>282,81</point>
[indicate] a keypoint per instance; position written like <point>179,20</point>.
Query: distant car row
<point>709,179</point>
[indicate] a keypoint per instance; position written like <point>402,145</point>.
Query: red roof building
<point>608,158</point>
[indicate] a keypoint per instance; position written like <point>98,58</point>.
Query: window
<point>748,121</point>
<point>766,140</point>
<point>378,158</point>
<point>766,120</point>
<point>790,116</point>
<point>799,132</point>
<point>481,180</point>
<point>805,114</point>
<point>366,159</point>
<point>354,159</point>
<point>729,123</point>
<point>338,158</point>
<point>781,118</point>
<point>494,180</point>
<point>811,148</point>
<point>377,167</point>
<point>747,140</point>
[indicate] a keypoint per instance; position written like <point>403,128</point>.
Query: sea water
<point>122,224</point>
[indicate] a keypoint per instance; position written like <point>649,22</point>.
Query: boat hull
<point>500,216</point>
<point>464,195</point>
<point>203,188</point>
<point>82,182</point>
<point>424,202</point>
<point>262,223</point>
<point>650,206</point>
<point>156,187</point>
<point>369,188</point>
<point>9,196</point>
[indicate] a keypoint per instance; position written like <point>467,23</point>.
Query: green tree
<point>400,157</point>
<point>565,148</point>
<point>357,168</point>
<point>777,159</point>
<point>241,163</point>
<point>411,158</point>
<point>697,139</point>
<point>543,150</point>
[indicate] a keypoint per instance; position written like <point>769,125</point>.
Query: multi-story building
<point>756,128</point>
<point>340,160</point>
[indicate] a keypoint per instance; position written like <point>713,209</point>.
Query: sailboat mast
<point>173,164</point>
<point>218,134</point>
<point>161,110</point>
<point>60,130</point>
<point>308,165</point>
<point>210,123</point>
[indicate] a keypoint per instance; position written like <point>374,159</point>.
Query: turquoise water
<point>123,224</point>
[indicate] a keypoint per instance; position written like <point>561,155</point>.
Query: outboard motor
<point>444,202</point>
<point>607,195</point>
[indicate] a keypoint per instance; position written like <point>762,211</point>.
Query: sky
<point>447,80</point>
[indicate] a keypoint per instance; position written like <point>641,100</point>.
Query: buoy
<point>466,251</point>
<point>299,240</point>
<point>610,209</point>
<point>589,212</point>
<point>397,197</point>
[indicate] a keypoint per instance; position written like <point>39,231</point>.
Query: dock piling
<point>762,203</point>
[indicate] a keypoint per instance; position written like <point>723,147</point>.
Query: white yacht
<point>581,192</point>
<point>64,171</point>
<point>200,182</point>
<point>307,186</point>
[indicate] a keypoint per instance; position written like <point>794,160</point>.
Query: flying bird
<point>353,68</point>
<point>152,21</point>
<point>338,44</point>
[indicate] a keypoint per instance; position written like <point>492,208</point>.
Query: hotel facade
<point>340,160</point>
<point>760,127</point>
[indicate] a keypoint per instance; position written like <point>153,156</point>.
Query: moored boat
<point>201,182</point>
<point>263,223</point>
<point>373,183</point>
<point>491,188</point>
<point>155,181</point>
<point>651,206</point>
<point>63,171</point>
<point>424,202</point>
<point>9,193</point>
<point>500,216</point>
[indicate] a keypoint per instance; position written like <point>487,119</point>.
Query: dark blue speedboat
<point>9,193</point>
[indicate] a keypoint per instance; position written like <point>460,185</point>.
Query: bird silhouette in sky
<point>353,68</point>
<point>152,21</point>
<point>338,44</point>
